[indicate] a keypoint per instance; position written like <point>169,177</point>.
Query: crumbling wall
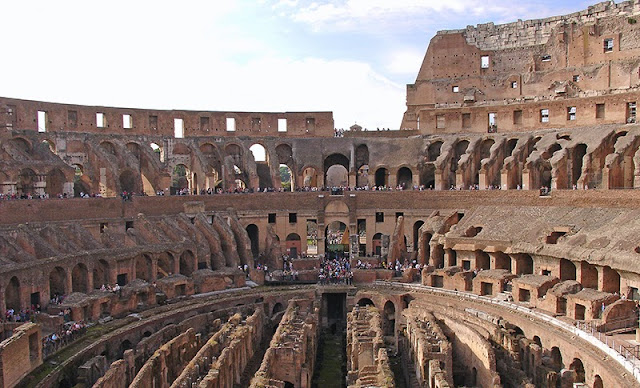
<point>20,354</point>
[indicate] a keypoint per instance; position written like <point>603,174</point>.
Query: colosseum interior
<point>492,241</point>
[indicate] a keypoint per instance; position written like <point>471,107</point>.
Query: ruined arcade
<point>492,241</point>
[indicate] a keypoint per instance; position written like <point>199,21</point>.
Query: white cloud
<point>379,15</point>
<point>405,61</point>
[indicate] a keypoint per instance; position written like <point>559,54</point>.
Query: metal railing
<point>625,355</point>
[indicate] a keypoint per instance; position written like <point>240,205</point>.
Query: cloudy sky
<point>352,57</point>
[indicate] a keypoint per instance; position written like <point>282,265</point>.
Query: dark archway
<point>416,234</point>
<point>365,302</point>
<point>187,263</point>
<point>389,319</point>
<point>12,295</point>
<point>128,182</point>
<point>165,265</point>
<point>80,278</point>
<point>55,183</point>
<point>57,282</point>
<point>254,236</point>
<point>577,158</point>
<point>100,274</point>
<point>337,173</point>
<point>577,366</point>
<point>405,178</point>
<point>433,152</point>
<point>382,177</point>
<point>143,268</point>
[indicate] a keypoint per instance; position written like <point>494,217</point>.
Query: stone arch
<point>109,148</point>
<point>577,157</point>
<point>128,181</point>
<point>187,263</point>
<point>336,237</point>
<point>483,261</point>
<point>365,302</point>
<point>567,270</point>
<point>502,261</point>
<point>26,181</point>
<point>259,153</point>
<point>524,264</point>
<point>437,259</point>
<point>382,177</point>
<point>389,318</point>
<point>310,176</point>
<point>81,183</point>
<point>235,151</point>
<point>134,149</point>
<point>21,144</point>
<point>287,178</point>
<point>336,170</point>
<point>80,278</point>
<point>597,382</point>
<point>254,236</point>
<point>165,265</point>
<point>577,366</point>
<point>433,151</point>
<point>143,267</point>
<point>405,177</point>
<point>376,244</point>
<point>278,307</point>
<point>588,275</point>
<point>158,151</point>
<point>12,294</point>
<point>263,169</point>
<point>100,273</point>
<point>181,149</point>
<point>428,176</point>
<point>556,359</point>
<point>57,282</point>
<point>180,178</point>
<point>293,245</point>
<point>510,146</point>
<point>55,182</point>
<point>49,145</point>
<point>611,280</point>
<point>485,148</point>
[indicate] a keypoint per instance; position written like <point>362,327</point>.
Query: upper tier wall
<point>23,114</point>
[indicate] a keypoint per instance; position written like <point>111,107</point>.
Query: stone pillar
<point>67,188</point>
<point>526,179</point>
<point>9,187</point>
<point>103,182</point>
<point>39,185</point>
<point>154,269</point>
<point>69,281</point>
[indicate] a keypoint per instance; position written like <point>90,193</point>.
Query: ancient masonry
<point>492,241</point>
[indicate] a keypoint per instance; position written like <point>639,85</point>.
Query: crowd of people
<point>65,335</point>
<point>336,270</point>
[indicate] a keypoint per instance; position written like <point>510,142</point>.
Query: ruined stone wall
<point>223,358</point>
<point>292,351</point>
<point>20,354</point>
<point>515,71</point>
<point>78,118</point>
<point>367,363</point>
<point>428,346</point>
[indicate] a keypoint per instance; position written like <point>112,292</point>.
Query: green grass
<point>330,362</point>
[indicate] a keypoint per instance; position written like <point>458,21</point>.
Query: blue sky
<point>353,57</point>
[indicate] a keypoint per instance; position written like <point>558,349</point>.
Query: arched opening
<point>438,256</point>
<point>179,180</point>
<point>143,268</point>
<point>611,280</point>
<point>511,145</point>
<point>254,236</point>
<point>545,175</point>
<point>80,278</point>
<point>278,307</point>
<point>134,149</point>
<point>80,186</point>
<point>57,282</point>
<point>537,341</point>
<point>365,302</point>
<point>310,177</point>
<point>433,152</point>
<point>577,366</point>
<point>12,295</point>
<point>405,178</point>
<point>362,179</point>
<point>502,261</point>
<point>382,177</point>
<point>55,183</point>
<point>556,359</point>
<point>262,165</point>
<point>334,175</point>
<point>165,265</point>
<point>293,245</point>
<point>588,275</point>
<point>312,237</point>
<point>524,264</point>
<point>26,182</point>
<point>482,260</point>
<point>389,319</point>
<point>128,182</point>
<point>286,178</point>
<point>428,176</point>
<point>376,244</point>
<point>485,148</point>
<point>109,148</point>
<point>416,234</point>
<point>337,239</point>
<point>567,270</point>
<point>288,384</point>
<point>100,274</point>
<point>597,382</point>
<point>337,176</point>
<point>187,263</point>
<point>459,150</point>
<point>158,152</point>
<point>577,158</point>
